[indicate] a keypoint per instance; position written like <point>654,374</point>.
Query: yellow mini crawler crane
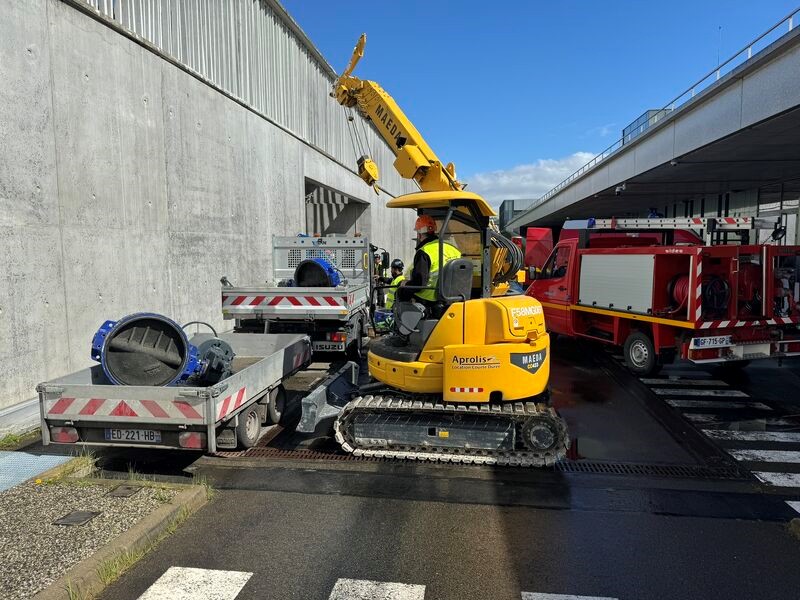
<point>467,380</point>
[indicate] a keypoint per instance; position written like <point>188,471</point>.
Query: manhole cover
<point>124,491</point>
<point>76,517</point>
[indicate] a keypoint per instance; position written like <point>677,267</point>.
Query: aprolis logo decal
<point>475,362</point>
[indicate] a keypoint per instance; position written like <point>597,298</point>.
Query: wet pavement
<point>654,502</point>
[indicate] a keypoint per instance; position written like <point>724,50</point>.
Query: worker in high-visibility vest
<point>396,279</point>
<point>425,270</point>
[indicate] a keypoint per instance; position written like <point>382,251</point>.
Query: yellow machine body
<point>488,349</point>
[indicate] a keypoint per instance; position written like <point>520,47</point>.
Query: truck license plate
<point>718,341</point>
<point>150,436</point>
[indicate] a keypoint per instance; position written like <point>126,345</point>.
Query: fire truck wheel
<point>249,428</point>
<point>640,354</point>
<point>276,407</point>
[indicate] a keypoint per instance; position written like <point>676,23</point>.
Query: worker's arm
<point>420,273</point>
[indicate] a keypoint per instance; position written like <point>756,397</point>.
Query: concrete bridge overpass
<point>708,152</point>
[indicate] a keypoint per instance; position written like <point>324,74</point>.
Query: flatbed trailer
<point>84,408</point>
<point>334,317</point>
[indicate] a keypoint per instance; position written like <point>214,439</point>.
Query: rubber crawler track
<point>516,411</point>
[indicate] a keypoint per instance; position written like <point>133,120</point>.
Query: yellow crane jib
<point>414,158</point>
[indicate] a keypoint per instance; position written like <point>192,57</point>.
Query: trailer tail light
<point>337,337</point>
<point>64,435</point>
<point>192,439</point>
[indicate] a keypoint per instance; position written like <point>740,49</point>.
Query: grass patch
<point>15,441</point>
<point>113,568</point>
<point>109,570</point>
<point>202,480</point>
<point>75,593</point>
<point>162,495</point>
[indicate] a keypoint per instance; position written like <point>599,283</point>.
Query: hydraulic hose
<point>515,260</point>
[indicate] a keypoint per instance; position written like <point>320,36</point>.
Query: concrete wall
<point>126,184</point>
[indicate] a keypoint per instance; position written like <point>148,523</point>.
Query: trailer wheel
<point>640,354</point>
<point>249,428</point>
<point>276,406</point>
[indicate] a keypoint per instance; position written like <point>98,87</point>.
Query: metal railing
<point>745,54</point>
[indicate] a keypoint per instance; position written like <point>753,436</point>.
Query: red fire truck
<point>667,288</point>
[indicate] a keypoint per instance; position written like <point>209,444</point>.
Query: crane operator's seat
<point>413,326</point>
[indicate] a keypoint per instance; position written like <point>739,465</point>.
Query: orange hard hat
<point>425,222</point>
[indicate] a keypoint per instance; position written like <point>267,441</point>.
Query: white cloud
<point>526,181</point>
<point>603,130</point>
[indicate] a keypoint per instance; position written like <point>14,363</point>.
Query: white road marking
<point>716,404</point>
<point>708,418</point>
<point>754,436</point>
<point>781,456</point>
<point>690,392</point>
<point>686,373</point>
<point>700,382</point>
<point>779,479</point>
<point>795,504</point>
<point>183,583</point>
<point>362,589</point>
<point>538,596</point>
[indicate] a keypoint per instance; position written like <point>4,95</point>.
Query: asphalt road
<point>297,545</point>
<point>691,524</point>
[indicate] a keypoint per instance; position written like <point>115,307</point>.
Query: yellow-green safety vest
<point>449,252</point>
<point>391,291</point>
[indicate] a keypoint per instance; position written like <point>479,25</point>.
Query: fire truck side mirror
<point>778,234</point>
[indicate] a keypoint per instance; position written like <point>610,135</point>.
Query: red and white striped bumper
<point>179,410</point>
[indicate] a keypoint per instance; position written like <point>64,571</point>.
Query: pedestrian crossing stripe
<point>782,456</point>
<point>363,589</point>
<point>787,437</point>
<point>682,382</point>
<point>188,583</point>
<point>708,404</point>
<point>184,583</point>
<point>690,395</point>
<point>538,596</point>
<point>703,393</point>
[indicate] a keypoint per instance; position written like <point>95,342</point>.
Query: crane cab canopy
<point>463,220</point>
<point>429,200</point>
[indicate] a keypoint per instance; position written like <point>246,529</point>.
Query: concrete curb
<point>84,577</point>
<point>71,468</point>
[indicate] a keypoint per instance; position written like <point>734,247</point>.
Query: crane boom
<point>415,159</point>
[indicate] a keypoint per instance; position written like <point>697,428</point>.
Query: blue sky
<point>519,94</point>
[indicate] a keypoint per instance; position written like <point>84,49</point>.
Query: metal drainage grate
<point>76,517</point>
<point>297,455</point>
<point>123,491</point>
<point>682,471</point>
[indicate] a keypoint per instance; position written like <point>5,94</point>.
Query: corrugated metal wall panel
<point>247,49</point>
